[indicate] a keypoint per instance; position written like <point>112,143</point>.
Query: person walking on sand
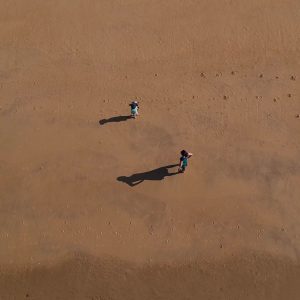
<point>134,105</point>
<point>184,160</point>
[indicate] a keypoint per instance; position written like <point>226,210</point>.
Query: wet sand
<point>247,276</point>
<point>218,78</point>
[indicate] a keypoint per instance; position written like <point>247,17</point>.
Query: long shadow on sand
<point>114,119</point>
<point>156,174</point>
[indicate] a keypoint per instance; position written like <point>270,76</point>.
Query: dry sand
<point>219,78</point>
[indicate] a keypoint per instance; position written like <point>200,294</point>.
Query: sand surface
<point>218,78</point>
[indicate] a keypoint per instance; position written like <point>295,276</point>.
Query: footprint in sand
<point>261,76</point>
<point>289,95</point>
<point>232,72</point>
<point>275,100</point>
<point>293,77</point>
<point>202,75</point>
<point>298,116</point>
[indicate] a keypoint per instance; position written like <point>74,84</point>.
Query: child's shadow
<point>114,119</point>
<point>156,174</point>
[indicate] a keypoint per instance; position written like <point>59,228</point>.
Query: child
<point>134,109</point>
<point>184,160</point>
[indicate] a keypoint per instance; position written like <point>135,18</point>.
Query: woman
<point>184,160</point>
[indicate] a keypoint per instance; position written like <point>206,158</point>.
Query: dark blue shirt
<point>133,105</point>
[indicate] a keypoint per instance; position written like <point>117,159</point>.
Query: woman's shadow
<point>156,174</point>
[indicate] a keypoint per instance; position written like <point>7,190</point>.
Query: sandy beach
<point>218,78</point>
